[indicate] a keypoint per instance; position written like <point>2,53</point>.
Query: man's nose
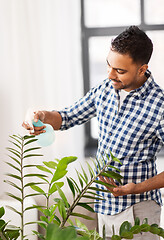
<point>111,73</point>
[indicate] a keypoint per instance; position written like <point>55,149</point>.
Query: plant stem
<point>22,191</point>
<point>83,191</point>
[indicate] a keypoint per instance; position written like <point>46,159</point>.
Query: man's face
<point>123,72</point>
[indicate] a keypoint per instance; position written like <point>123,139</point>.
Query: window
<point>102,20</point>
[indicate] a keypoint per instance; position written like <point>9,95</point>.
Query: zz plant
<point>80,191</point>
<point>127,231</point>
<point>7,231</point>
<point>49,176</point>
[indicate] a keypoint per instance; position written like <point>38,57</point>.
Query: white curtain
<point>40,59</point>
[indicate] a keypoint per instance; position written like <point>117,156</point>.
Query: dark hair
<point>134,42</point>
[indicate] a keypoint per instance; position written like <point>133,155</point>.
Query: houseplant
<point>50,175</point>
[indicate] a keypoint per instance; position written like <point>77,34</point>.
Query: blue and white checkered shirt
<point>134,134</point>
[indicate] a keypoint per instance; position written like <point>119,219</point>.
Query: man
<point>129,108</point>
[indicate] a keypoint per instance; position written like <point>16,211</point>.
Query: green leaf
<point>38,189</point>
<point>125,227</point>
<point>13,234</point>
<point>2,211</point>
<point>16,154</point>
<point>127,235</point>
<point>94,193</point>
<point>32,195</point>
<point>31,149</point>
<point>98,164</point>
<point>86,206</point>
<point>96,168</point>
<point>71,185</point>
<point>14,176</point>
<point>116,237</point>
<point>12,184</point>
<point>85,175</point>
<point>81,216</point>
<point>99,189</point>
<point>58,175</point>
<point>44,169</point>
<point>92,174</point>
<point>2,224</point>
<point>57,219</point>
<point>34,175</point>
<point>110,166</point>
<point>135,229</point>
<point>29,223</point>
<point>145,221</point>
<point>33,207</point>
<point>29,165</point>
<point>83,178</point>
<point>33,183</point>
<point>16,139</point>
<point>13,150</point>
<point>40,236</point>
<point>13,196</point>
<point>13,209</point>
<point>88,202</point>
<point>51,164</point>
<point>62,209</point>
<point>54,188</point>
<point>56,233</point>
<point>19,146</point>
<point>46,212</point>
<point>30,141</point>
<point>13,166</point>
<point>61,168</point>
<point>16,160</point>
<point>44,179</point>
<point>104,232</point>
<point>81,225</point>
<point>68,160</point>
<point>28,137</point>
<point>44,219</point>
<point>33,155</point>
<point>75,185</point>
<point>137,221</point>
<point>62,195</point>
<point>114,158</point>
<point>12,227</point>
<point>154,229</point>
<point>111,174</point>
<point>90,197</point>
<point>80,180</point>
<point>104,183</point>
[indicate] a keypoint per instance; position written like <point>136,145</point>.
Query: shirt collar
<point>148,84</point>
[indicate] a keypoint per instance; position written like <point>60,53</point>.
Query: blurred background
<point>52,52</point>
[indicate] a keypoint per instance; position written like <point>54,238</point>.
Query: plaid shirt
<point>134,134</point>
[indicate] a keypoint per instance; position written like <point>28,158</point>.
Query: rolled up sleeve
<point>80,112</point>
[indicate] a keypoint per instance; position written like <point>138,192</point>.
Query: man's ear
<point>143,69</point>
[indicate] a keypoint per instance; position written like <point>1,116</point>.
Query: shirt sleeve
<point>160,130</point>
<point>80,112</point>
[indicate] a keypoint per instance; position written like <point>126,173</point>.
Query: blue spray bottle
<point>47,138</point>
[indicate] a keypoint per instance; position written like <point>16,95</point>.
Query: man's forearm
<point>53,118</point>
<point>155,182</point>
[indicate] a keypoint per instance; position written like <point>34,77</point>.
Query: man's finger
<point>112,182</point>
<point>26,126</point>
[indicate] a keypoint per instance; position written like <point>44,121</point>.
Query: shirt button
<point>110,134</point>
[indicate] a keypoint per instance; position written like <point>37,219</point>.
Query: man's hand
<point>39,115</point>
<point>118,191</point>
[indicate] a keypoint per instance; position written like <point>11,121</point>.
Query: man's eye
<point>120,71</point>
